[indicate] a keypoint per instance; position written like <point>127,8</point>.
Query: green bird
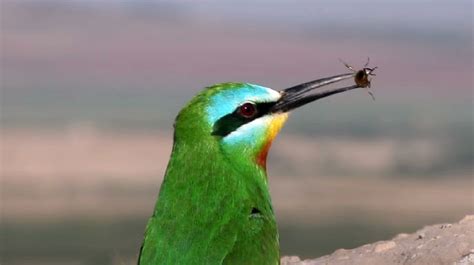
<point>214,205</point>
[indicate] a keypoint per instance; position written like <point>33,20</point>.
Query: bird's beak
<point>302,94</point>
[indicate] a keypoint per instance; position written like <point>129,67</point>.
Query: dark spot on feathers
<point>255,211</point>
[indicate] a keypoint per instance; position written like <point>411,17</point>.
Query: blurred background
<point>90,89</point>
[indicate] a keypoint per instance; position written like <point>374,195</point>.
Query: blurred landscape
<point>90,89</point>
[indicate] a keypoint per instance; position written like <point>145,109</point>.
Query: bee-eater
<point>214,205</point>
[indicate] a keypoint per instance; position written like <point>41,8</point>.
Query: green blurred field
<point>82,195</point>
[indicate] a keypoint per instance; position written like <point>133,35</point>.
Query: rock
<point>466,260</point>
<point>421,235</point>
<point>291,260</point>
<point>402,235</point>
<point>451,244</point>
<point>467,219</point>
<point>382,247</point>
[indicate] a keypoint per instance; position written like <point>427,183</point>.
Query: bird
<point>214,204</point>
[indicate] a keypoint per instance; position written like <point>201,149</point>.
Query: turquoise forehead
<point>227,100</point>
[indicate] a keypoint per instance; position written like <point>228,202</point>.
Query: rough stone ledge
<point>440,244</point>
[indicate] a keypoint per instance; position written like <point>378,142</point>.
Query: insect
<point>362,77</point>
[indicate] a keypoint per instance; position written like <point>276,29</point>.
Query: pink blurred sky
<point>102,45</point>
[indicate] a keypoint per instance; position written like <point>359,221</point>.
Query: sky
<point>78,52</point>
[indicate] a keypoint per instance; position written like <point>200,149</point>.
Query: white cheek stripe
<point>249,132</point>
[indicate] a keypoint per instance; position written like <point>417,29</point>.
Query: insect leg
<point>347,65</point>
<point>372,70</point>
<point>370,93</point>
<point>367,63</point>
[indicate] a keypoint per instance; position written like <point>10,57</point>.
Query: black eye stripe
<point>234,120</point>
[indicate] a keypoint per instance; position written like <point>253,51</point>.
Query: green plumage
<point>214,205</point>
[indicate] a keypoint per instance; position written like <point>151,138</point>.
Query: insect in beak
<point>362,77</point>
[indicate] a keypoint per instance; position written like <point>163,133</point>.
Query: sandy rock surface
<point>441,244</point>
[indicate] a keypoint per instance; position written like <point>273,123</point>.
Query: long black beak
<point>300,95</point>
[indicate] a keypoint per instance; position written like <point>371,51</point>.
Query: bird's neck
<point>211,157</point>
<point>200,173</point>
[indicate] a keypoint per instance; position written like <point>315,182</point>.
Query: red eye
<point>248,110</point>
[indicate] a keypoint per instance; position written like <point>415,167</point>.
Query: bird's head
<point>241,120</point>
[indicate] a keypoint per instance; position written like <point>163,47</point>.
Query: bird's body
<point>205,216</point>
<point>214,205</point>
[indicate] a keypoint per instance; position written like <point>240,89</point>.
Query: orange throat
<point>276,123</point>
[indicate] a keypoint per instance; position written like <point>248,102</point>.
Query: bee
<point>362,77</point>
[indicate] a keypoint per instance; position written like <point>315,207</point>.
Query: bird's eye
<point>248,110</point>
